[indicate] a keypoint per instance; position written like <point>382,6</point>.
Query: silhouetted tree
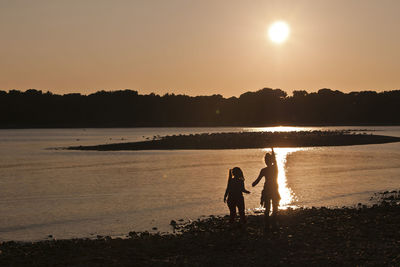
<point>128,108</point>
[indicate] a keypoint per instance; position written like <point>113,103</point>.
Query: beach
<point>355,234</point>
<point>366,236</point>
<point>82,194</point>
<point>129,130</point>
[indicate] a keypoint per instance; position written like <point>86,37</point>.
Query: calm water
<point>88,193</point>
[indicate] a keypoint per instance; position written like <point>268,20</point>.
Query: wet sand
<point>245,140</point>
<point>318,236</point>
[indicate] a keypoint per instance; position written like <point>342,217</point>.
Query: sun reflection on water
<point>287,195</point>
<point>279,129</point>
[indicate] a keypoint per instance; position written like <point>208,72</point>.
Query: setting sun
<point>278,32</point>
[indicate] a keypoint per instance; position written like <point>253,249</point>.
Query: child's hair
<point>268,159</point>
<point>237,172</point>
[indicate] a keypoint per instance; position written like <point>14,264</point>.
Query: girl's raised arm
<point>273,156</point>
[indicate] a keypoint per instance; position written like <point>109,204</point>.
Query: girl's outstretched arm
<point>244,189</point>
<point>258,178</point>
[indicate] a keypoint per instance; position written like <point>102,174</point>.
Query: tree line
<point>127,108</point>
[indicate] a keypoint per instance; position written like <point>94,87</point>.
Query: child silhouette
<point>270,193</point>
<point>234,191</point>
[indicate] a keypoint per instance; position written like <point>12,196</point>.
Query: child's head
<point>237,172</point>
<point>268,159</point>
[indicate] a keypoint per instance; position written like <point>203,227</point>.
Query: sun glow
<point>287,195</point>
<point>274,129</point>
<point>278,32</point>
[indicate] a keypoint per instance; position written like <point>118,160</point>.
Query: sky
<point>198,47</point>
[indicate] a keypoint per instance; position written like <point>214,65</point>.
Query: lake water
<point>87,193</point>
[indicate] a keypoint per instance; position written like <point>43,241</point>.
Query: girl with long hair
<point>233,192</point>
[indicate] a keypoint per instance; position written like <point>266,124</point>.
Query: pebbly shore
<point>358,236</point>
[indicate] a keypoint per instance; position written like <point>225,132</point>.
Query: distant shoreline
<point>247,140</point>
<point>192,126</point>
<point>128,108</point>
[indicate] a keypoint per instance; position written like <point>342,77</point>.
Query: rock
<point>133,234</point>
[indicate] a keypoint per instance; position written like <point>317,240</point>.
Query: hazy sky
<point>198,47</point>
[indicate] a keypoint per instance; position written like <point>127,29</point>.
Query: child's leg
<point>275,204</point>
<point>232,210</point>
<point>240,205</point>
<point>266,213</point>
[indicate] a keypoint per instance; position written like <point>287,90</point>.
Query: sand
<point>359,236</point>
